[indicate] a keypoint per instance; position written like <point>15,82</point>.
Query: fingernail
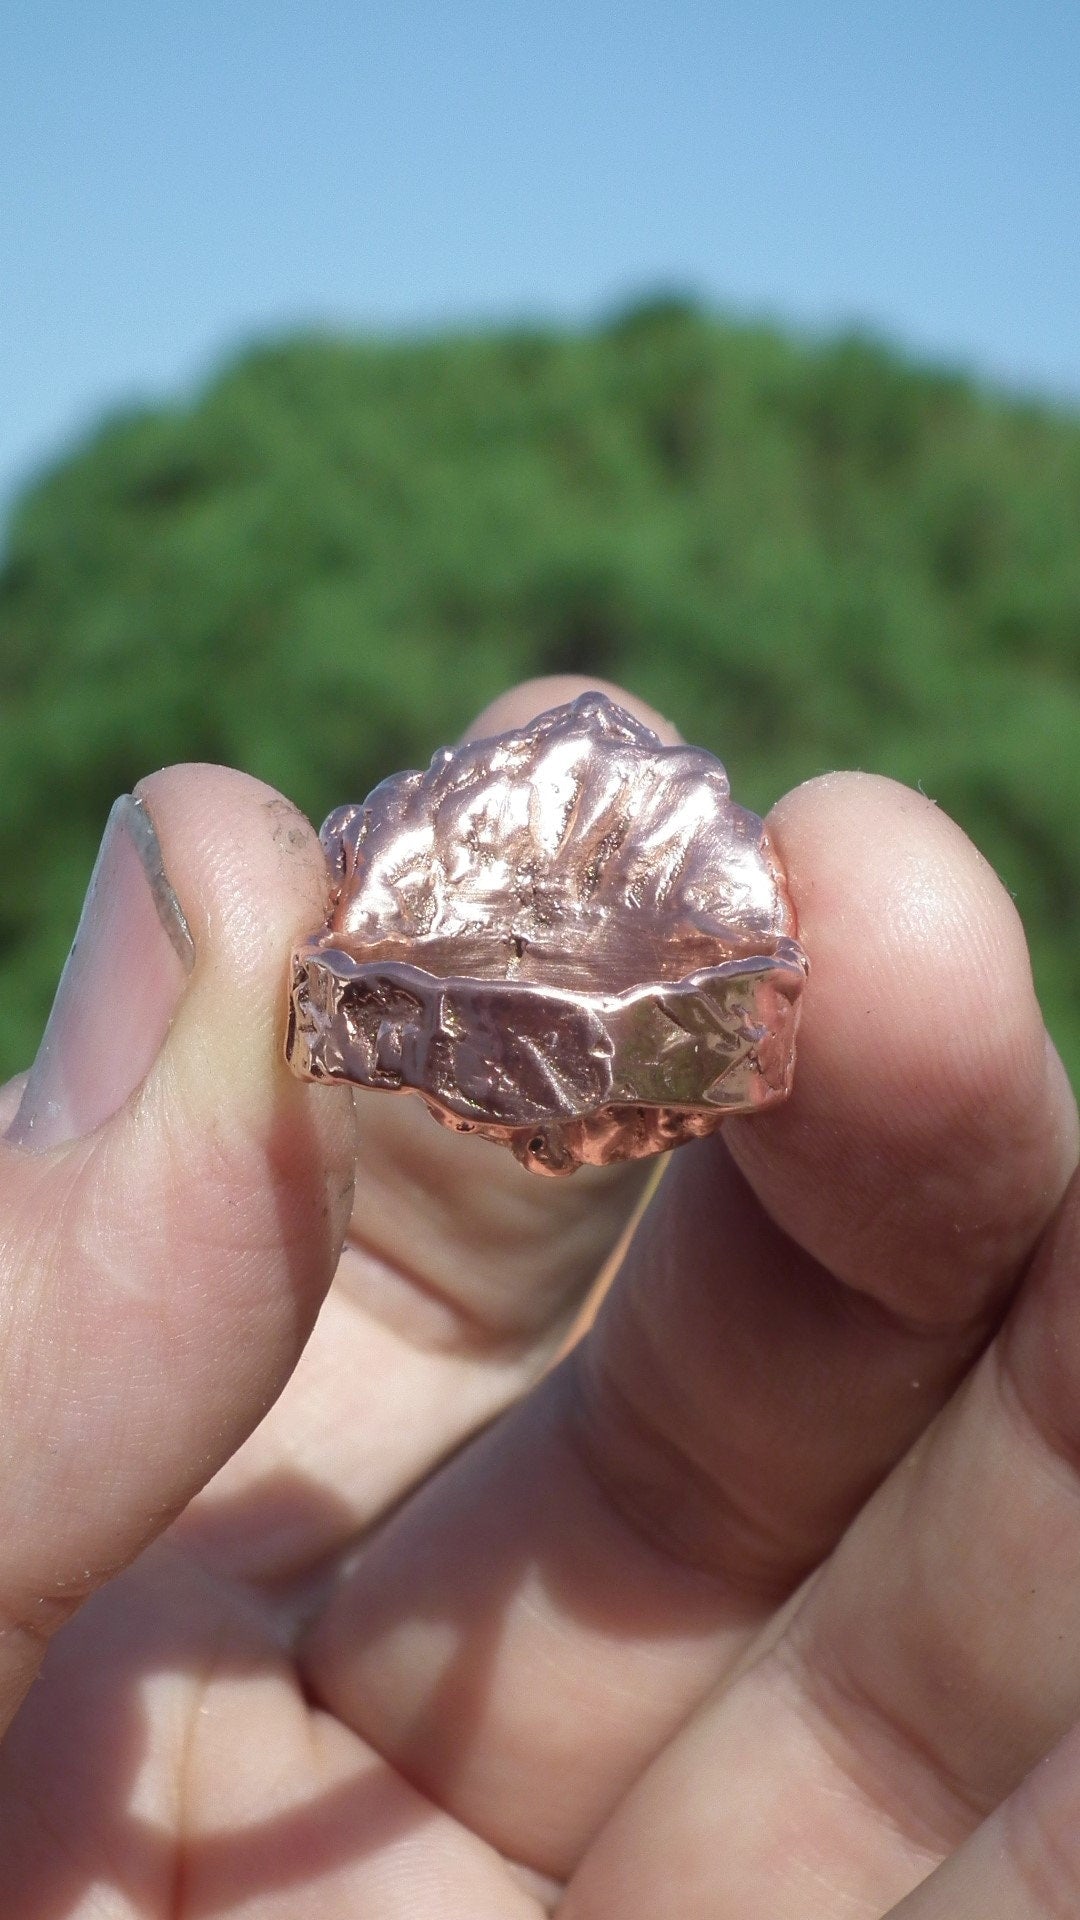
<point>118,992</point>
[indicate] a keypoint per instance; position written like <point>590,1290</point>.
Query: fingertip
<point>1061,1100</point>
<point>520,704</point>
<point>239,855</point>
<point>909,930</point>
<point>271,1157</point>
<point>924,1113</point>
<point>11,1094</point>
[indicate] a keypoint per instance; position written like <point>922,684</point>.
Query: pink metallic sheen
<point>567,938</point>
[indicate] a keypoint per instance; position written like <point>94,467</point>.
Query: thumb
<point>172,1200</point>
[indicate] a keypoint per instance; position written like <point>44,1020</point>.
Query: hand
<point>757,1604</point>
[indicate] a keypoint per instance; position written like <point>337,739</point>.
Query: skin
<point>328,1587</point>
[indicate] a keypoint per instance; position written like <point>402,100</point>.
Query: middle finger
<point>460,1277</point>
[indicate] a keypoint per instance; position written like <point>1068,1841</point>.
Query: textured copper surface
<point>567,938</point>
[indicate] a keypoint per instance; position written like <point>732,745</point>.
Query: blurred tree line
<point>808,556</point>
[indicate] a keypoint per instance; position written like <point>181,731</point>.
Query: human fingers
<point>11,1094</point>
<point>461,1276</point>
<point>1022,1862</point>
<point>172,1200</point>
<point>929,1668</point>
<point>595,1564</point>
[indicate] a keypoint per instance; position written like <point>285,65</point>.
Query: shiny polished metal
<point>567,938</point>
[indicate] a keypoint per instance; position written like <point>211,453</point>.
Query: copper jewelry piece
<point>566,938</point>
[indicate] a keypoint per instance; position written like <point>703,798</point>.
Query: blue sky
<point>176,179</point>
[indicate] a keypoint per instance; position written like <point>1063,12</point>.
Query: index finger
<point>749,1379</point>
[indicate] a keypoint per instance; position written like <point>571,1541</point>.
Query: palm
<point>170,1744</point>
<point>575,1648</point>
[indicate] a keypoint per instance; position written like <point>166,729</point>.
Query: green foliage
<point>321,568</point>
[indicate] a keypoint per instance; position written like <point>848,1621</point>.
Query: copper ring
<point>567,938</point>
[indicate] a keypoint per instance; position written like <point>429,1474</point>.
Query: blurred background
<point>358,359</point>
